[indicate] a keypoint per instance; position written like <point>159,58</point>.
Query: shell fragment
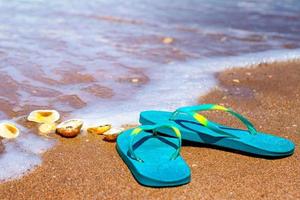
<point>46,129</point>
<point>99,130</point>
<point>112,134</point>
<point>43,116</point>
<point>168,40</point>
<point>69,128</point>
<point>8,130</point>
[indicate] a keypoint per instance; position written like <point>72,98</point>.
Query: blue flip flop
<point>154,160</point>
<point>196,128</point>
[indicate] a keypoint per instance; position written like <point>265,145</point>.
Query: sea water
<point>21,154</point>
<point>105,61</point>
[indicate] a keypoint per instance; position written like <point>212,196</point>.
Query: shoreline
<point>267,94</point>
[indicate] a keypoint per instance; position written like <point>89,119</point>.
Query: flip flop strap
<point>154,129</point>
<point>193,111</point>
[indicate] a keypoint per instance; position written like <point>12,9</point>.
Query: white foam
<point>174,85</point>
<point>22,155</point>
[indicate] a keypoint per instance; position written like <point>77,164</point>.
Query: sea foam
<point>175,85</point>
<point>22,154</point>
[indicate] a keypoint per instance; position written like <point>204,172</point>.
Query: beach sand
<point>269,95</point>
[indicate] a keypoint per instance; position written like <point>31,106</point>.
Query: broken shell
<point>43,116</point>
<point>46,129</point>
<point>167,40</point>
<point>236,80</point>
<point>69,128</point>
<point>8,130</point>
<point>99,130</point>
<point>112,134</point>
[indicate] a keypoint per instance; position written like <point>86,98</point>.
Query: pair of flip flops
<point>152,150</point>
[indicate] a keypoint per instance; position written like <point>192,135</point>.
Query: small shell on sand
<point>46,129</point>
<point>236,80</point>
<point>99,130</point>
<point>43,116</point>
<point>69,128</point>
<point>8,130</point>
<point>112,134</point>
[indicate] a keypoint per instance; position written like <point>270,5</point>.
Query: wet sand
<point>269,95</point>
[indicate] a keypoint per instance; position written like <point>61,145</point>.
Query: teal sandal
<point>154,160</point>
<point>196,128</point>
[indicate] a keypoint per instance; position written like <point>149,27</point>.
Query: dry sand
<point>88,168</point>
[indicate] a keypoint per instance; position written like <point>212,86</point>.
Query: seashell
<point>99,130</point>
<point>167,40</point>
<point>69,128</point>
<point>112,134</point>
<point>8,130</point>
<point>44,116</point>
<point>236,80</point>
<point>46,129</point>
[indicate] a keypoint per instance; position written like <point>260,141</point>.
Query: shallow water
<point>22,154</point>
<point>105,61</point>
